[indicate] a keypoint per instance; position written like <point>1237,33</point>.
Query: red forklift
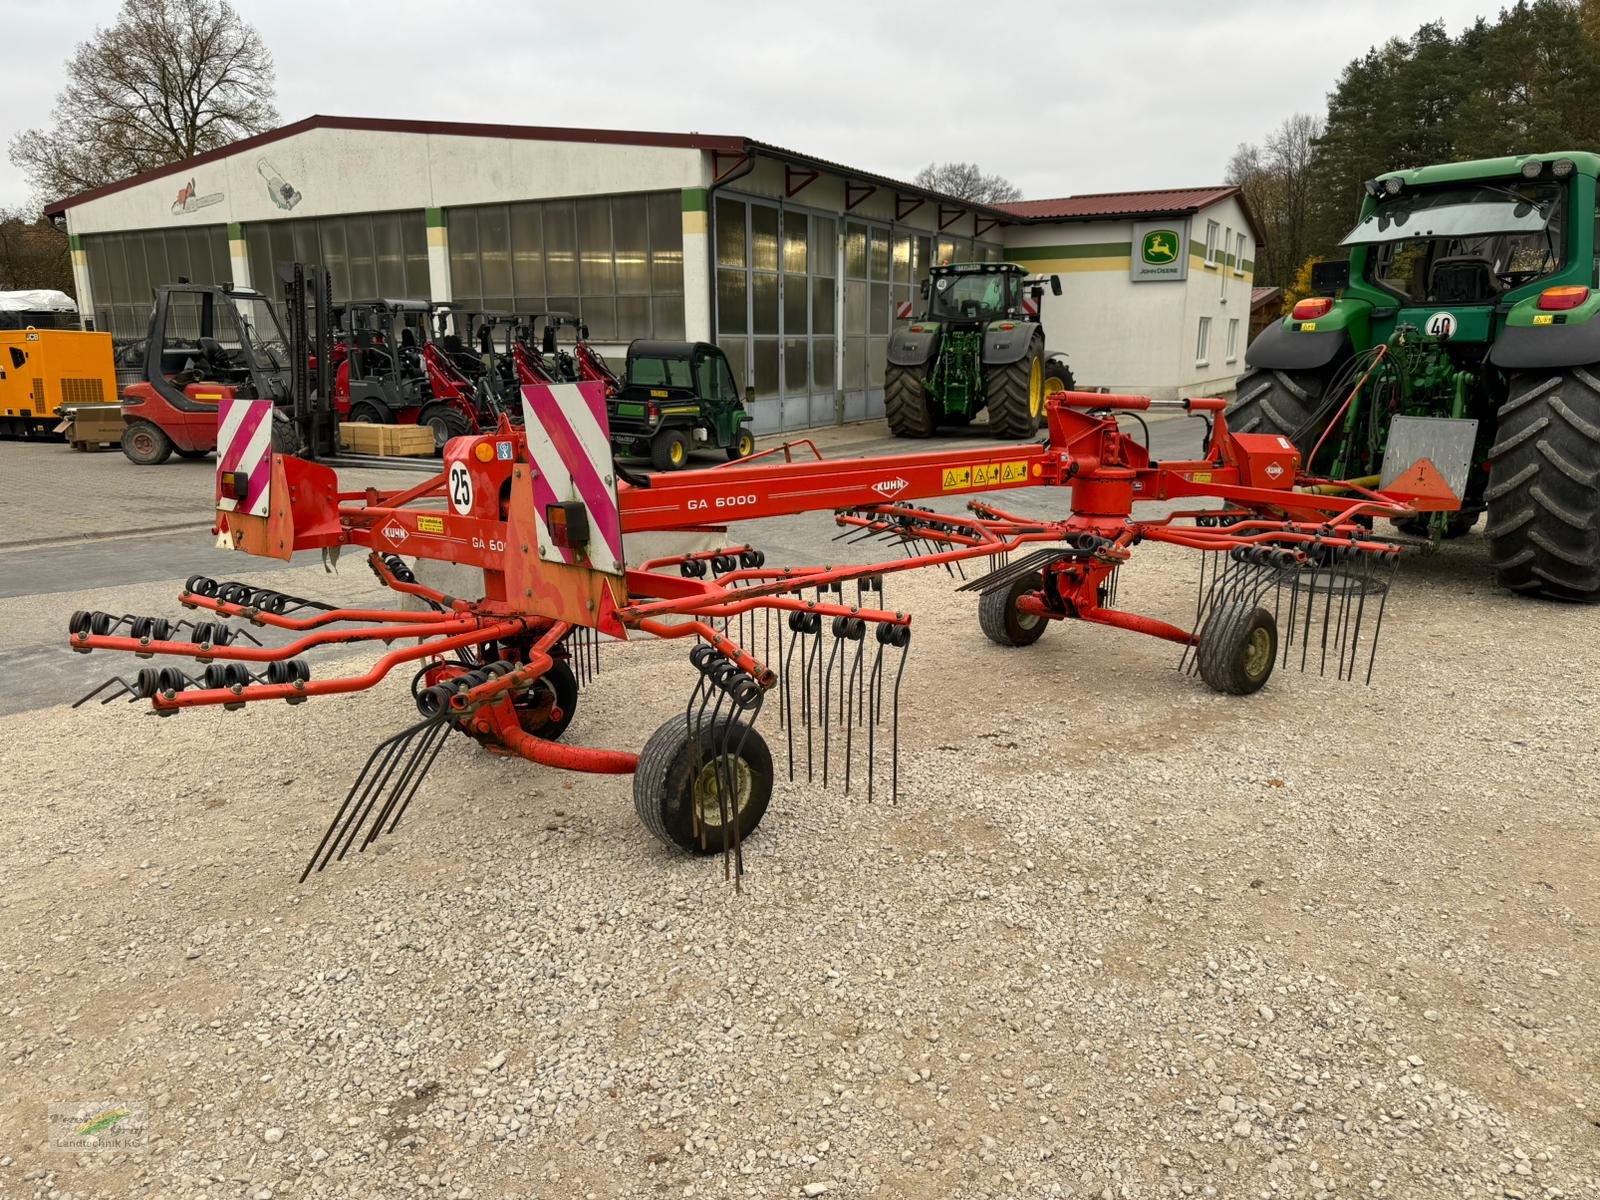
<point>205,342</point>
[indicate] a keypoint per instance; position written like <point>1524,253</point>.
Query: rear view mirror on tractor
<point>1328,278</point>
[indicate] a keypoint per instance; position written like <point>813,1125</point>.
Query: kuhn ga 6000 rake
<point>540,510</point>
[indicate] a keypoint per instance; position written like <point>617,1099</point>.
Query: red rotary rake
<point>540,510</point>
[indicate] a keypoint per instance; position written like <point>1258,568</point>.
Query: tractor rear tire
<point>672,780</point>
<point>905,404</point>
<point>1015,394</point>
<point>1544,487</point>
<point>669,450</point>
<point>1058,377</point>
<point>447,421</point>
<point>146,443</point>
<point>1238,648</point>
<point>1001,621</point>
<point>1281,402</point>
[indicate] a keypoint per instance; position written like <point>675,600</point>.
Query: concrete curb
<point>108,535</point>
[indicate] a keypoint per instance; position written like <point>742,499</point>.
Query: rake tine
<point>1377,628</point>
<point>407,764</point>
<point>875,701</point>
<point>366,782</point>
<point>827,692</point>
<point>849,715</point>
<point>785,705</point>
<point>899,675</point>
<point>1311,606</point>
<point>126,687</point>
<point>427,751</point>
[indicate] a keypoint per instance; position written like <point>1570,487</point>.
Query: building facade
<point>795,265</point>
<point>1156,286</point>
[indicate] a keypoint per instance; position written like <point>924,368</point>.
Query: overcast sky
<point>1060,97</point>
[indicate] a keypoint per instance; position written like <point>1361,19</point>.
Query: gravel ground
<point>1120,937</point>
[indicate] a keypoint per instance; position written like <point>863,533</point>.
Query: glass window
<point>630,233</point>
<point>795,381</point>
<point>668,314</point>
<point>1202,342</point>
<point>855,307</point>
<point>855,363</point>
<point>730,233</point>
<point>824,246</point>
<point>660,372</point>
<point>391,257</point>
<point>560,248</point>
<point>822,306</point>
<point>763,238</point>
<point>822,364</point>
<point>794,304</point>
<point>633,318</point>
<point>901,262</point>
<point>1238,254</point>
<point>1233,339</point>
<point>794,241</point>
<point>595,276</point>
<point>763,303</point>
<point>880,254</point>
<point>766,366</point>
<point>731,294</point>
<point>855,250</point>
<point>880,311</point>
<point>527,250</point>
<point>666,243</point>
<point>363,281</point>
<point>1211,241</point>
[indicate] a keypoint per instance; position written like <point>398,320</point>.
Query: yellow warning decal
<point>957,477</point>
<point>1544,319</point>
<point>430,524</point>
<point>1201,477</point>
<point>1013,472</point>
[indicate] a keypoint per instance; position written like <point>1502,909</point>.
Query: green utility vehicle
<point>677,397</point>
<point>1463,329</point>
<point>978,344</point>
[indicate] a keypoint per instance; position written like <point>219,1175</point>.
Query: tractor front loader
<point>977,345</point>
<point>1465,327</point>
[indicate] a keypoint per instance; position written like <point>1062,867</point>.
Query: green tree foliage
<point>1277,183</point>
<point>1525,82</point>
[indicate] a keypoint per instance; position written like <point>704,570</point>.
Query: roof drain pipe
<point>711,244</point>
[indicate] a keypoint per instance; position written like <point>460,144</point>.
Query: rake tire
<point>1008,389</point>
<point>1544,487</point>
<point>1001,621</point>
<point>664,783</point>
<point>1238,648</point>
<point>905,404</point>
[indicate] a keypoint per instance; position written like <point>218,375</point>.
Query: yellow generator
<point>42,370</point>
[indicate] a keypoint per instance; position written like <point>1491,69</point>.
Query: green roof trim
<point>433,218</point>
<point>694,199</point>
<point>74,241</point>
<point>235,231</point>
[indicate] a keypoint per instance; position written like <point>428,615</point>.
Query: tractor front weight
<point>539,509</point>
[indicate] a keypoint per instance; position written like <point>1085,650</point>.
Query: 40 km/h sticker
<point>986,475</point>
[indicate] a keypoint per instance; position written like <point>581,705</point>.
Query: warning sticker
<point>957,477</point>
<point>1201,477</point>
<point>1013,472</point>
<point>430,524</point>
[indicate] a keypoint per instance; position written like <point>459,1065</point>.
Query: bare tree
<point>1277,183</point>
<point>168,80</point>
<point>33,254</point>
<point>966,181</point>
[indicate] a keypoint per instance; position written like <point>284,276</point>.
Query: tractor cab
<point>380,379</point>
<point>974,291</point>
<point>676,397</point>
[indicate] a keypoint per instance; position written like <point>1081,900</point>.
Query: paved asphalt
<point>45,672</point>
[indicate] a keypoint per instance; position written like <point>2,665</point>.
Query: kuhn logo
<point>395,532</point>
<point>890,487</point>
<point>1274,470</point>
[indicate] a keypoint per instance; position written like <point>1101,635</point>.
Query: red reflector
<point>1007,325</point>
<point>235,485</point>
<point>1311,308</point>
<point>1557,299</point>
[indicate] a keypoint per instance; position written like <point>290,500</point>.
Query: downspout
<point>711,242</point>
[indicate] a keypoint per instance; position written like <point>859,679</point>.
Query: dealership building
<point>796,266</point>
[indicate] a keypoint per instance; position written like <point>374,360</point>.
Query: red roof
<point>1104,206</point>
<point>1260,295</point>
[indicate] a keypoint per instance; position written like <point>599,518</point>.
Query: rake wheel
<point>677,775</point>
<point>549,705</point>
<point>1000,619</point>
<point>1238,648</point>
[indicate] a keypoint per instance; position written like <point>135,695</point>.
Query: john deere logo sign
<point>1160,252</point>
<point>1160,247</point>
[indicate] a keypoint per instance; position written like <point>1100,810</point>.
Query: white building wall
<point>337,171</point>
<point>1139,338</point>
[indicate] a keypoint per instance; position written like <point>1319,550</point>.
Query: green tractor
<point>1462,329</point>
<point>677,397</point>
<point>978,344</point>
